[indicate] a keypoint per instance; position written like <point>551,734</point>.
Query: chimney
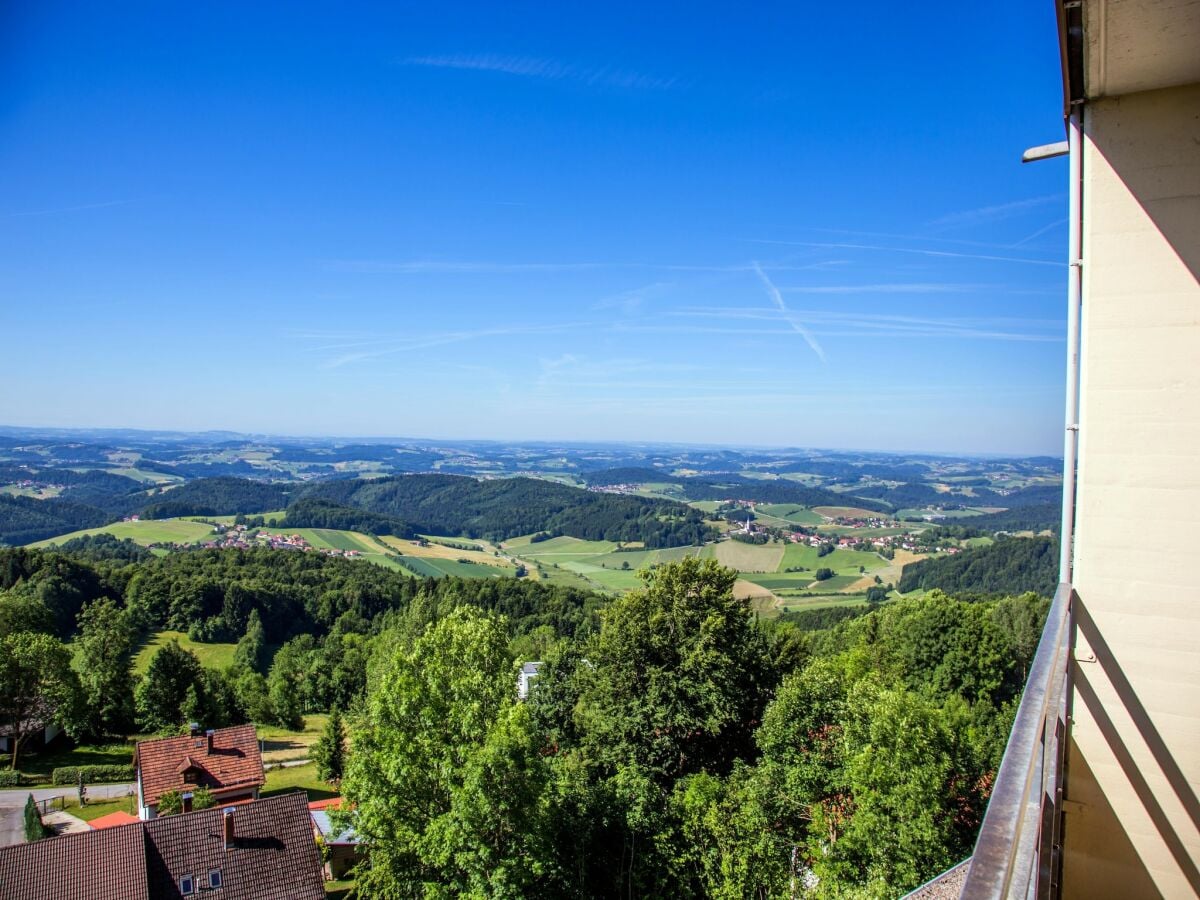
<point>227,821</point>
<point>187,801</point>
<point>193,728</point>
<point>209,734</point>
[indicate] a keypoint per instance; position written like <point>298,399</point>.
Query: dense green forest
<point>1035,517</point>
<point>503,508</point>
<point>673,744</point>
<point>683,749</point>
<point>24,520</point>
<point>776,491</point>
<point>403,505</point>
<point>221,496</point>
<point>1009,566</point>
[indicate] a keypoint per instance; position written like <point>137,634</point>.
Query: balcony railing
<point>1018,854</point>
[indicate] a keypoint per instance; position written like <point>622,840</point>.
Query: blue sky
<point>783,224</point>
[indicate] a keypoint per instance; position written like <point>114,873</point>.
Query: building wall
<point>1132,825</point>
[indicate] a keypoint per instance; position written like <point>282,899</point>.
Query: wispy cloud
<point>996,213</point>
<point>797,326</point>
<point>893,288</point>
<point>827,323</point>
<point>68,209</point>
<point>915,250</point>
<point>631,301</point>
<point>569,371</point>
<point>486,267</point>
<point>549,69</point>
<point>360,348</point>
<point>1037,234</point>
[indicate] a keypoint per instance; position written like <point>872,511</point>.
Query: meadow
<point>145,532</point>
<point>212,656</point>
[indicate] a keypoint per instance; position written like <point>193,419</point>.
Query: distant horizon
<point>562,442</point>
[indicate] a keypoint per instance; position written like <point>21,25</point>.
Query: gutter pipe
<point>1074,303</point>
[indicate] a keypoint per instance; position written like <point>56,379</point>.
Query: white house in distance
<point>529,674</point>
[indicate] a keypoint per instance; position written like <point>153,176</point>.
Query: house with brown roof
<point>263,850</point>
<point>226,761</point>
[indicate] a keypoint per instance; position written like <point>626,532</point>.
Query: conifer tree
<point>330,750</point>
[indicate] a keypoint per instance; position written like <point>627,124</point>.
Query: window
<point>214,879</point>
<point>187,885</point>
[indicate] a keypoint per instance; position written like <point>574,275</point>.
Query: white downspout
<point>1074,304</point>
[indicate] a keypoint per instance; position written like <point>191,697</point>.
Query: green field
<point>329,539</point>
<point>841,561</point>
<point>212,656</point>
<point>821,601</point>
<point>788,513</point>
<point>277,514</point>
<point>146,532</point>
<point>912,513</point>
<point>288,780</point>
<point>434,567</point>
<point>147,477</point>
<point>746,557</point>
<point>844,512</point>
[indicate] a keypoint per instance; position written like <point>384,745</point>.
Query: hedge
<point>91,774</point>
<point>11,778</point>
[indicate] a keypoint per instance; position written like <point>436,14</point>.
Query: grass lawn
<point>150,531</point>
<point>39,765</point>
<point>287,780</point>
<point>280,744</point>
<point>97,808</point>
<point>212,656</point>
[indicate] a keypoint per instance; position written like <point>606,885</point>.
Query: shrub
<point>91,774</point>
<point>34,829</point>
<point>823,574</point>
<point>11,778</point>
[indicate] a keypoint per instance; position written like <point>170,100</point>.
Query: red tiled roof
<point>272,856</point>
<point>89,865</point>
<point>335,802</point>
<point>112,820</point>
<point>235,762</point>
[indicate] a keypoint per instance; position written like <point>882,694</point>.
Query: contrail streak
<point>795,323</point>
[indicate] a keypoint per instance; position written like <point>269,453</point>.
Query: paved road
<point>14,798</point>
<point>12,827</point>
<point>12,805</point>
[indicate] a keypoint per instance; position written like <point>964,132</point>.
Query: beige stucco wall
<point>1133,822</point>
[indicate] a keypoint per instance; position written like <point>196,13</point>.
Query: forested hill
<point>96,498</point>
<point>504,508</point>
<point>221,496</point>
<point>1009,566</point>
<point>738,487</point>
<point>24,520</point>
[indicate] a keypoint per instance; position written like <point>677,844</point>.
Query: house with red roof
<point>264,850</point>
<point>225,761</point>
